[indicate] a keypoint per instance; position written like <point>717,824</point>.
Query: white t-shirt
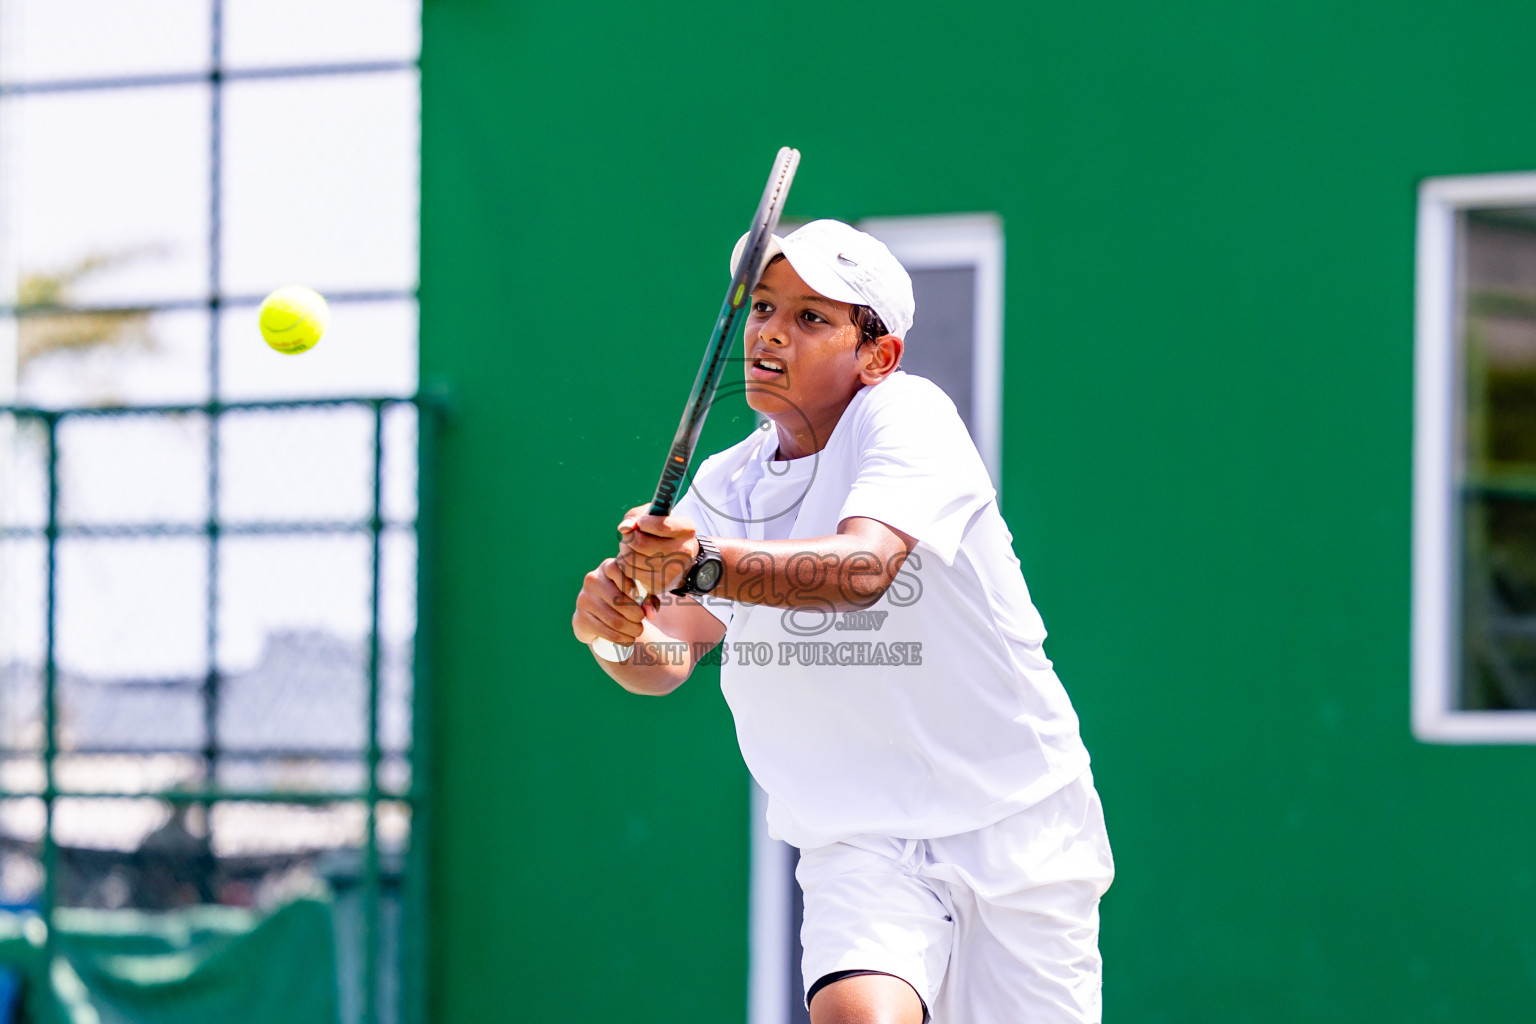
<point>933,712</point>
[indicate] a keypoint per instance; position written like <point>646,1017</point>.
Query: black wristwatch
<point>705,573</point>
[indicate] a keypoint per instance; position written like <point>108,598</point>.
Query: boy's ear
<point>879,358</point>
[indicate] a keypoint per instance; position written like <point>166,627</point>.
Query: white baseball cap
<point>843,263</point>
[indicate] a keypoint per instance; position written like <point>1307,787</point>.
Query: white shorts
<point>996,926</point>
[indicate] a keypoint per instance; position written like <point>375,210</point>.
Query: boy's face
<point>803,367</point>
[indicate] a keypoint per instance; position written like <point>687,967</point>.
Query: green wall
<point>1209,210</point>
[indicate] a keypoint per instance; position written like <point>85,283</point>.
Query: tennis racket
<point>753,257</point>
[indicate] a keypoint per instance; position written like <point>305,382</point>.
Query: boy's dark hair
<point>864,318</point>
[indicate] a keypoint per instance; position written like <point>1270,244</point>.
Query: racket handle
<point>610,651</point>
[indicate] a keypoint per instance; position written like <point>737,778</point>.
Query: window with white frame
<point>956,340</point>
<point>1474,573</point>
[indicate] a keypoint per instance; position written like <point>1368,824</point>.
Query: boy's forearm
<point>657,665</point>
<point>839,572</point>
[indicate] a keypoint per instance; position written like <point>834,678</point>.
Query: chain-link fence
<point>211,619</point>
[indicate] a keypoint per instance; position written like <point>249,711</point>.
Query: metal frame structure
<point>410,947</point>
<point>411,938</point>
<point>374,792</point>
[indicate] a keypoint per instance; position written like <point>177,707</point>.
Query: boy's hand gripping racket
<point>753,257</point>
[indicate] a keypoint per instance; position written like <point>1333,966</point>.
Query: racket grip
<point>617,653</point>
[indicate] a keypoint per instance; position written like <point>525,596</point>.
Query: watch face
<point>707,576</point>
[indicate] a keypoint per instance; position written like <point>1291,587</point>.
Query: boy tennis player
<point>883,662</point>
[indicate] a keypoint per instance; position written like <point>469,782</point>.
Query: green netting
<point>211,965</point>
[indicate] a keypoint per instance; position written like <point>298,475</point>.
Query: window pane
<point>941,344</point>
<point>289,32</point>
<point>1499,523</point>
<point>109,202</point>
<point>68,39</point>
<point>321,183</point>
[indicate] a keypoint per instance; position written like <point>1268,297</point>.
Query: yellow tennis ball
<point>293,318</point>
